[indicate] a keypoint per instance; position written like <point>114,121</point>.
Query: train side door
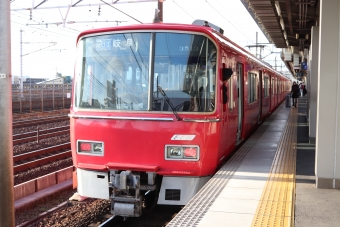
<point>276,91</point>
<point>240,101</point>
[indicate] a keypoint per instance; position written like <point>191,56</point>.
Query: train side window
<point>280,86</point>
<point>252,87</point>
<point>273,87</point>
<point>231,91</point>
<point>266,86</point>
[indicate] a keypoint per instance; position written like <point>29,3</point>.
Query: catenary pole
<point>160,8</point>
<point>6,147</point>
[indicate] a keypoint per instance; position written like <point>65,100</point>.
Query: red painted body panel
<point>137,142</point>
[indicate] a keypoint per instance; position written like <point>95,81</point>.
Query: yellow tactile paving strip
<point>276,207</point>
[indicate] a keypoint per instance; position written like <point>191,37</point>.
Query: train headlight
<point>176,151</point>
<point>182,152</point>
<point>90,147</point>
<point>98,147</point>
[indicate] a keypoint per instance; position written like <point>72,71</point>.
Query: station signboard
<point>304,66</point>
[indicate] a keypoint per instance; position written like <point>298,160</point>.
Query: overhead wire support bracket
<point>79,5</point>
<point>76,3</point>
<point>64,19</point>
<point>121,11</point>
<point>39,49</point>
<point>40,4</point>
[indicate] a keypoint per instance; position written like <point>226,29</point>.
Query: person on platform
<point>302,88</point>
<point>295,93</point>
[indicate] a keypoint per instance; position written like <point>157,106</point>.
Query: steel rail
<point>41,132</point>
<point>18,116</point>
<point>41,161</point>
<point>38,137</point>
<point>20,124</point>
<point>47,150</point>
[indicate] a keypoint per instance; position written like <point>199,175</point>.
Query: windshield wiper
<point>169,103</point>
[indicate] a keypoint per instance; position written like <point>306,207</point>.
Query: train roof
<point>195,27</point>
<point>151,26</point>
<point>214,32</point>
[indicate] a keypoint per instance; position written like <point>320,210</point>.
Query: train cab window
<point>252,87</point>
<point>113,72</point>
<point>185,69</point>
<point>266,86</point>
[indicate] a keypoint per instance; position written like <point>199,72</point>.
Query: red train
<point>158,107</point>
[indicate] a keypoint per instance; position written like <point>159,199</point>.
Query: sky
<point>48,46</point>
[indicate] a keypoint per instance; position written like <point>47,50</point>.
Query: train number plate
<point>2,75</point>
<point>183,137</point>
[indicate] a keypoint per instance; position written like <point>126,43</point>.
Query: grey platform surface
<point>232,195</point>
<point>232,199</point>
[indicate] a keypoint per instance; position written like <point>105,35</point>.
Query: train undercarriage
<point>134,193</point>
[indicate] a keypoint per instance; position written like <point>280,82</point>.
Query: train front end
<point>144,117</point>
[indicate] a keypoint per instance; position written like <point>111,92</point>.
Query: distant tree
<point>67,79</point>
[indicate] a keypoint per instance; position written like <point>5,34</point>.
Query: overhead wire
<point>231,22</point>
<point>61,29</point>
<point>39,50</point>
<point>218,13</point>
<point>121,11</point>
<point>47,31</point>
<point>44,31</point>
<point>43,23</point>
<point>228,20</point>
<point>183,9</point>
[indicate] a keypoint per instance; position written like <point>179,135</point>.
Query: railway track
<point>37,158</point>
<point>26,123</point>
<point>40,134</point>
<point>36,114</point>
<point>24,161</point>
<point>96,213</point>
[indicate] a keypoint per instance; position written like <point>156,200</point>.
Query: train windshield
<point>127,71</point>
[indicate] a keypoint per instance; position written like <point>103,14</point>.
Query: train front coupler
<point>126,200</point>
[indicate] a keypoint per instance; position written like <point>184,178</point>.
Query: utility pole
<point>21,81</point>
<point>6,139</point>
<point>21,53</point>
<point>257,44</point>
<point>160,8</point>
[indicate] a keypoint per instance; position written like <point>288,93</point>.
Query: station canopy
<point>287,24</point>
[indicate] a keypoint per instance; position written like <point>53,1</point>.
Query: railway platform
<point>269,181</point>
